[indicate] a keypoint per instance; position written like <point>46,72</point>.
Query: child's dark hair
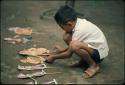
<point>65,14</point>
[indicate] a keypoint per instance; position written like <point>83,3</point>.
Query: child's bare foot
<point>50,59</point>
<point>91,71</point>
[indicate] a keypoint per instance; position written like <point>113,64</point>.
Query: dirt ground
<point>108,15</point>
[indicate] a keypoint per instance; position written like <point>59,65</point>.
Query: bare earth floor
<point>108,15</point>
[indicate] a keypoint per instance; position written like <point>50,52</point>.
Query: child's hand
<point>49,59</point>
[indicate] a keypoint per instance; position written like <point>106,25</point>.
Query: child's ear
<point>69,23</point>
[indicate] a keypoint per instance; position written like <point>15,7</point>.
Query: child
<point>83,38</point>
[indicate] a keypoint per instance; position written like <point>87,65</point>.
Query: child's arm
<point>63,55</point>
<point>59,49</point>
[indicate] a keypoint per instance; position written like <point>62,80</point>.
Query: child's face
<point>68,27</point>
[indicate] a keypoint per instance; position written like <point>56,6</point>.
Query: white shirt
<point>89,33</point>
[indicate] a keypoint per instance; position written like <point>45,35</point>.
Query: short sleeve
<point>78,35</point>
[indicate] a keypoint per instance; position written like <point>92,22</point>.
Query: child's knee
<point>74,45</point>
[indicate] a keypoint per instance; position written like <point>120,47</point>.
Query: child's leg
<point>67,37</point>
<point>83,51</point>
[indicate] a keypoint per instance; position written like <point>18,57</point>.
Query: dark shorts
<point>96,56</point>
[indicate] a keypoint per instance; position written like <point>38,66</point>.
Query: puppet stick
<point>49,82</point>
<point>35,81</point>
